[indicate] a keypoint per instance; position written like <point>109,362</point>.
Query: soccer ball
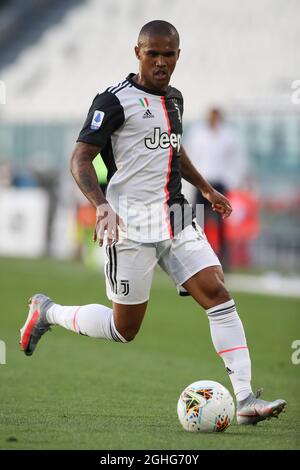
<point>205,406</point>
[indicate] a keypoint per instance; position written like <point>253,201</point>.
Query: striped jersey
<point>139,133</point>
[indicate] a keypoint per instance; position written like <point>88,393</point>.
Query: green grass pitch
<point>82,393</point>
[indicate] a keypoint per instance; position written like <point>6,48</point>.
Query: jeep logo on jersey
<point>163,140</point>
<point>97,120</point>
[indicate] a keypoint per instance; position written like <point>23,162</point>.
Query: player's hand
<point>219,203</point>
<point>107,221</point>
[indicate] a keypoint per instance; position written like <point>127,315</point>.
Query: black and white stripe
<point>111,266</point>
<point>115,87</point>
<point>108,268</point>
<point>114,334</point>
<point>121,86</point>
<point>222,311</point>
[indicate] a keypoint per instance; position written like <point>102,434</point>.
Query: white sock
<point>92,320</point>
<point>229,340</point>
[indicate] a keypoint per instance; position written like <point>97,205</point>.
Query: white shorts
<point>129,265</point>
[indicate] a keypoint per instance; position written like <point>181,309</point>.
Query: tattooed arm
<point>84,172</point>
<point>85,176</point>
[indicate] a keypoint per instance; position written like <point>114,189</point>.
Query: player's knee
<point>129,334</point>
<point>224,295</point>
<point>129,338</point>
<point>219,294</point>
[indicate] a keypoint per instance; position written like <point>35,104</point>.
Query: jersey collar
<point>146,90</point>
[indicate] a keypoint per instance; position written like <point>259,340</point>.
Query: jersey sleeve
<point>179,96</point>
<point>176,95</point>
<point>105,116</point>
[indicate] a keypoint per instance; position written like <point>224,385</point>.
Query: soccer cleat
<point>36,324</point>
<point>252,409</point>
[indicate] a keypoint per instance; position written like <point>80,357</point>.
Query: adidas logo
<point>148,114</point>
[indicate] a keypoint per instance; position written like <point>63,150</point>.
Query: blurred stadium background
<point>55,55</point>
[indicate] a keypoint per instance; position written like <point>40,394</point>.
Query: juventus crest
<point>125,287</point>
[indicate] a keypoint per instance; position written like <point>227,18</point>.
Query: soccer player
<point>137,127</point>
